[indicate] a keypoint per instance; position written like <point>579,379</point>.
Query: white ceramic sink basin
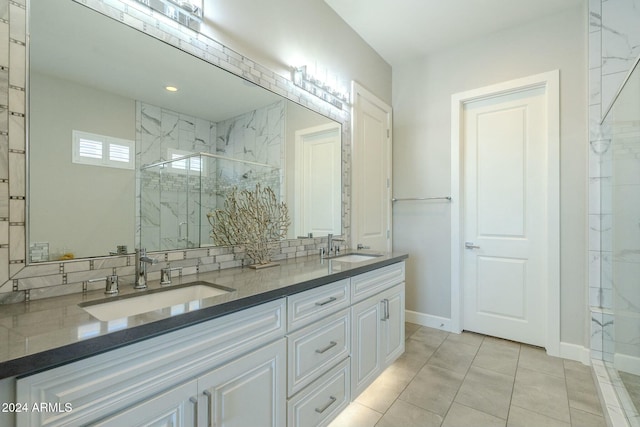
<point>354,258</point>
<point>174,298</point>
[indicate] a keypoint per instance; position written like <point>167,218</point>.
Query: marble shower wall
<point>174,203</point>
<point>614,44</point>
<point>257,137</point>
<point>170,200</point>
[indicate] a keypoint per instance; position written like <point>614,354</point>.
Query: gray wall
<point>280,34</point>
<point>68,199</point>
<point>422,92</point>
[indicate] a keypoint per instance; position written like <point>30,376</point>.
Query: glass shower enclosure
<point>176,195</point>
<point>620,245</point>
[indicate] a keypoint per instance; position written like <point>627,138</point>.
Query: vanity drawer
<point>314,304</point>
<point>370,283</point>
<point>313,350</point>
<point>323,400</point>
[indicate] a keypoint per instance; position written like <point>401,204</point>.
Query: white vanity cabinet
<point>324,372</point>
<point>296,361</point>
<point>378,324</point>
<point>141,377</point>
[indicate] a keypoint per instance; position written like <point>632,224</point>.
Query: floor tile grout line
<point>549,375</point>
<point>410,381</point>
<point>414,377</point>
<point>513,387</point>
<point>566,389</point>
<point>462,382</point>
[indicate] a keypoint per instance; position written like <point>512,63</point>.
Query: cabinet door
<point>393,324</point>
<point>366,343</point>
<point>174,408</point>
<point>249,391</point>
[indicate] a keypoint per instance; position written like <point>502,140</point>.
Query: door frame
<point>300,136</point>
<point>550,81</point>
<point>358,91</point>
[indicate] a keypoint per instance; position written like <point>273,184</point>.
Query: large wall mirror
<point>118,159</point>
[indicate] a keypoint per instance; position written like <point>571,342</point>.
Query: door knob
<point>470,245</point>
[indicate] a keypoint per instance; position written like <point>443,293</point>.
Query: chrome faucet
<point>111,287</point>
<point>141,268</point>
<point>165,275</point>
<point>330,240</point>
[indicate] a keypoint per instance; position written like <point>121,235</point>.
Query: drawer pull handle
<point>327,348</point>
<point>325,407</point>
<point>210,404</point>
<point>195,409</point>
<point>330,300</point>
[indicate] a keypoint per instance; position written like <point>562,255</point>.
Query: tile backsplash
<point>21,282</point>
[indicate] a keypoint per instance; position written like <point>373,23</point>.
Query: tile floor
<point>632,384</point>
<point>471,380</point>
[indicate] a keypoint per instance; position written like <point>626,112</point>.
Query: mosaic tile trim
<point>22,282</point>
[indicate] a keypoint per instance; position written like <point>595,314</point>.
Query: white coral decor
<point>253,219</point>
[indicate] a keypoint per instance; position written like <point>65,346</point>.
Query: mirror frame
<point>17,277</point>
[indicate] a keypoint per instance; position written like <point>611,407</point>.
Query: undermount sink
<point>355,257</point>
<point>177,298</point>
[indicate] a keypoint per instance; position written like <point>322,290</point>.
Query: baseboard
<point>567,350</point>
<point>428,320</point>
<point>626,363</point>
<point>575,352</point>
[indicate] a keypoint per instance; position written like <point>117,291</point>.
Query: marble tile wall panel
<point>170,219</point>
<point>256,136</point>
<point>620,43</point>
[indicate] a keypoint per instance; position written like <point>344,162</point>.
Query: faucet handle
<point>111,286</point>
<point>165,275</point>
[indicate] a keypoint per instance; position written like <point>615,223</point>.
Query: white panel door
<point>505,184</point>
<point>371,186</point>
<point>318,181</point>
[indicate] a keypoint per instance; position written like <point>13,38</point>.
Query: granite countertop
<point>46,333</point>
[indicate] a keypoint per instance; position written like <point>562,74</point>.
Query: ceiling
<point>402,30</point>
<point>93,50</point>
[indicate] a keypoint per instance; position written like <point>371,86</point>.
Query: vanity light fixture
<point>319,88</point>
<point>185,12</point>
<point>171,88</point>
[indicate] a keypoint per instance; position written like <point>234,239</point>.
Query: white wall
<point>422,92</point>
<point>279,34</point>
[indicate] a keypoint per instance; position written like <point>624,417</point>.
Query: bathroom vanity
<point>291,345</point>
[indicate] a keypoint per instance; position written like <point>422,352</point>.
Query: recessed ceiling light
<point>171,88</point>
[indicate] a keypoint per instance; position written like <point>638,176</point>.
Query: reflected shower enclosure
<point>620,270</point>
<point>176,195</point>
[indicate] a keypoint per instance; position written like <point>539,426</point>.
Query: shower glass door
<point>620,198</point>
